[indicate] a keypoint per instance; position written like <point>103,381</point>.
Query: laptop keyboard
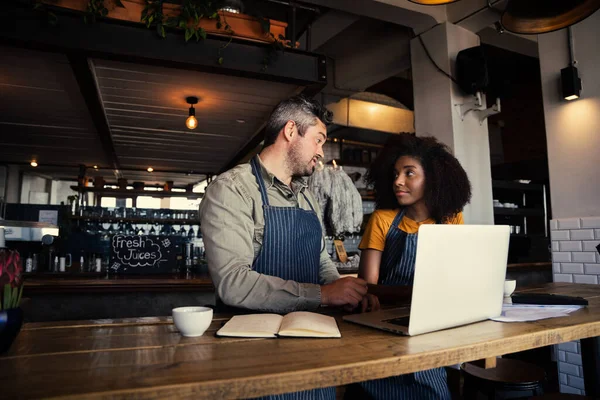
<point>401,321</point>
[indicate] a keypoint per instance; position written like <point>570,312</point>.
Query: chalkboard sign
<point>142,254</point>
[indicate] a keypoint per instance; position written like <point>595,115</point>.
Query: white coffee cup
<point>192,321</point>
<point>509,287</point>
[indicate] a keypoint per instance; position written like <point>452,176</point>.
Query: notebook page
<point>252,325</point>
<point>304,323</point>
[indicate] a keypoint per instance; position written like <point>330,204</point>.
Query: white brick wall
<point>574,259</point>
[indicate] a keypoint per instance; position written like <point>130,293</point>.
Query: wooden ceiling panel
<point>44,116</point>
<point>146,110</point>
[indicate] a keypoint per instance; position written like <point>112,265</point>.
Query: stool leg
<point>469,390</point>
<point>590,357</point>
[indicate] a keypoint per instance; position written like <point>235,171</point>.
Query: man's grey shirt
<point>232,224</point>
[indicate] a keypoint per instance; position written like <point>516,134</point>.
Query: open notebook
<point>295,324</point>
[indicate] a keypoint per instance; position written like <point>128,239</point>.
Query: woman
<point>417,181</point>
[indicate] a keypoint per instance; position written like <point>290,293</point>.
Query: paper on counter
<point>533,312</point>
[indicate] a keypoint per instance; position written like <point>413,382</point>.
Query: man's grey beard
<point>295,165</point>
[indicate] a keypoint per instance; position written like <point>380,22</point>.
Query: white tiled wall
<point>574,259</point>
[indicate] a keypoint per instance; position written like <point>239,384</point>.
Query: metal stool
<point>510,379</point>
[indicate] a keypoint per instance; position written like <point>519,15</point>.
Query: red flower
<point>11,269</point>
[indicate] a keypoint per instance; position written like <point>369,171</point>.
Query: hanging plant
<point>49,16</point>
<point>97,8</point>
<point>188,19</point>
<point>182,15</point>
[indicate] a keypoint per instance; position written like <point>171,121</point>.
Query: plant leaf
<point>15,296</point>
<point>220,60</point>
<point>52,19</point>
<point>162,31</point>
<point>20,295</point>
<point>188,34</point>
<point>7,293</point>
<point>202,33</point>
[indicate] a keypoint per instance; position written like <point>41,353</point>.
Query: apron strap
<point>308,201</point>
<point>261,183</point>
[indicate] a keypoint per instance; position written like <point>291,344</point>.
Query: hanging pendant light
<point>532,17</point>
<point>433,2</point>
<point>191,122</point>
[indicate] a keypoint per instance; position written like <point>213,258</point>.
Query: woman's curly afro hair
<point>447,187</point>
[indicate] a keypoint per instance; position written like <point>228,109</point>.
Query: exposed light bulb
<point>150,169</point>
<point>191,122</point>
<point>33,163</point>
<point>95,167</point>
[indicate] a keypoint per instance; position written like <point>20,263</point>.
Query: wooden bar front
<point>148,358</point>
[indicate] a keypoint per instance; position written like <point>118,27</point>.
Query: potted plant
<point>11,289</point>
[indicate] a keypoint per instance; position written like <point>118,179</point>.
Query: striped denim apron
<point>398,268</point>
<point>291,250</point>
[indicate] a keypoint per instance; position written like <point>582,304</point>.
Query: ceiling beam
<point>83,71</point>
<point>418,17</point>
<point>327,26</point>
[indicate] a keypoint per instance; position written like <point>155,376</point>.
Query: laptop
<point>459,279</point>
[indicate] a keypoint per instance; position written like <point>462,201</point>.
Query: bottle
<point>81,263</point>
<point>98,264</point>
<point>55,265</point>
<point>29,264</point>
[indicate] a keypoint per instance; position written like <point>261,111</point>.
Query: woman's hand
<point>370,303</point>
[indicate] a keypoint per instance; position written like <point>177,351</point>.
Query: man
<point>263,239</point>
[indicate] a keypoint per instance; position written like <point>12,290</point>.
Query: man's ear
<point>288,130</point>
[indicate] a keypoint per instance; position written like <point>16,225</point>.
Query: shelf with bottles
<point>145,227</point>
<point>523,206</point>
<point>120,193</point>
<point>138,220</point>
<point>133,214</point>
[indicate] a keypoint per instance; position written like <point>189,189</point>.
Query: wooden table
<point>147,358</point>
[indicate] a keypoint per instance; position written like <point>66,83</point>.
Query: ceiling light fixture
<point>95,167</point>
<point>569,77</point>
<point>150,169</point>
<point>240,121</point>
<point>532,17</point>
<point>33,163</point>
<point>191,122</point>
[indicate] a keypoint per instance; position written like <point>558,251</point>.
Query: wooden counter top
<point>531,266</point>
<point>148,358</point>
<point>89,283</point>
<point>101,283</point>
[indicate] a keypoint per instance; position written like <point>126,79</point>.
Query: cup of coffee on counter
<point>509,287</point>
<point>192,321</point>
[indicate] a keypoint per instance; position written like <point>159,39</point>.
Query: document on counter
<point>532,312</point>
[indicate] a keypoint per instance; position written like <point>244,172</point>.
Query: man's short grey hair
<point>300,109</point>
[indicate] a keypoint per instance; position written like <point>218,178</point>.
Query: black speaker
<point>472,71</point>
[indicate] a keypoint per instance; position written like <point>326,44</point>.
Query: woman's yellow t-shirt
<point>381,220</point>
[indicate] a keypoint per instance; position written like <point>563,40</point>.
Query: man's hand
<point>370,303</point>
<point>344,291</point>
